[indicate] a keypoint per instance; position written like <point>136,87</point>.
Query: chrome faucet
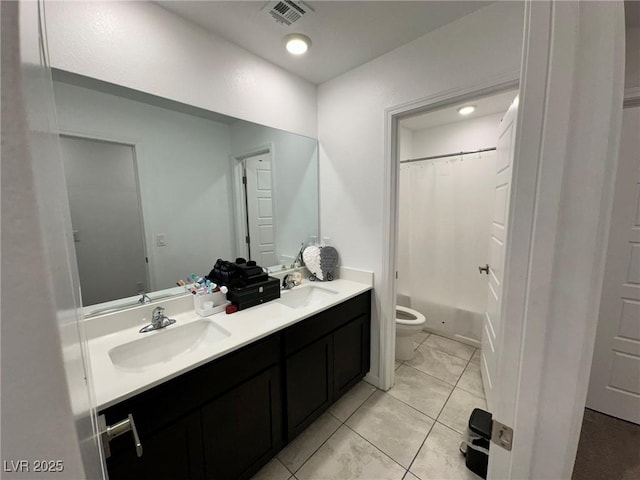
<point>299,260</point>
<point>288,282</point>
<point>158,320</point>
<point>144,298</point>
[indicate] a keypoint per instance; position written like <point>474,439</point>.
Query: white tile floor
<point>411,432</point>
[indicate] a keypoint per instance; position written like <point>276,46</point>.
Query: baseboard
<point>372,379</point>
<point>458,338</point>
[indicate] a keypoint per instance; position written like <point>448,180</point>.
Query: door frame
<point>138,150</point>
<point>562,192</point>
<point>391,199</point>
<point>240,208</point>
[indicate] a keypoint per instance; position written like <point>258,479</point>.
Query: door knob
<point>484,269</point>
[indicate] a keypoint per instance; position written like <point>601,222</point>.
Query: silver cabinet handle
<point>484,269</point>
<point>110,432</point>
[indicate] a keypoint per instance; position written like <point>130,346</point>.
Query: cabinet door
<point>350,354</point>
<point>175,451</point>
<point>242,429</point>
<point>309,384</point>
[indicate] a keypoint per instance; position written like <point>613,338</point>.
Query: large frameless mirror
<point>159,190</point>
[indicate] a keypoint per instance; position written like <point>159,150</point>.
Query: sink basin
<point>299,297</point>
<point>162,346</point>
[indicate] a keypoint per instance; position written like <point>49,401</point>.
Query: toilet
<point>408,323</point>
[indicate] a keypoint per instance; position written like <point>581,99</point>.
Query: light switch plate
<point>161,240</point>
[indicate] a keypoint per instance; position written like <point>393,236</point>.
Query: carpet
<point>609,449</point>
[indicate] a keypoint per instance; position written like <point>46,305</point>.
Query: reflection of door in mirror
<point>259,201</point>
<point>106,218</point>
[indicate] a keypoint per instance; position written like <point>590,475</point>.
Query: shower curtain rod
<point>457,154</point>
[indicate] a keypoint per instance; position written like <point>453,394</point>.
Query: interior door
<point>493,323</point>
<point>260,222</point>
<point>106,218</point>
<point>614,386</point>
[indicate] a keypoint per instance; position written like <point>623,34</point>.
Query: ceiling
<point>344,34</point>
<point>498,103</point>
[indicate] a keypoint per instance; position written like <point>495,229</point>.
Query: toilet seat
<point>408,323</point>
<point>408,316</point>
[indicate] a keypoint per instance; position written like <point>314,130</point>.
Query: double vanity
<point>204,397</point>
<point>217,397</point>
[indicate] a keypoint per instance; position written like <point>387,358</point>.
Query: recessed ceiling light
<point>297,43</point>
<point>466,110</point>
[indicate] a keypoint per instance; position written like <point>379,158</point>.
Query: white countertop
<point>114,384</point>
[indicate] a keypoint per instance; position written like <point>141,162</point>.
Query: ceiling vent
<point>287,12</point>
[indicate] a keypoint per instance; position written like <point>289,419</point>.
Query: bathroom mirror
<point>159,190</point>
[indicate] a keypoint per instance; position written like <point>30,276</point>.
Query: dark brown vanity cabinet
<point>173,451</point>
<point>351,353</point>
<point>325,356</point>
<point>309,384</point>
<point>219,421</point>
<point>242,429</point>
<point>226,419</point>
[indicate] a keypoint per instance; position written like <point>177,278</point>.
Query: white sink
<point>161,346</point>
<point>299,297</point>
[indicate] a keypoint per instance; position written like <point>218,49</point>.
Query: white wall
<point>142,46</point>
<point>471,134</point>
<point>351,118</point>
<point>296,202</point>
<point>184,173</point>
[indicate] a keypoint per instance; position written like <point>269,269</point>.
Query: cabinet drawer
<point>313,328</point>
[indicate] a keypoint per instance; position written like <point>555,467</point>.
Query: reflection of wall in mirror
<point>295,202</point>
<point>189,65</point>
<point>184,172</point>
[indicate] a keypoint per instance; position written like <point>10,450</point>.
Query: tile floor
<point>411,432</point>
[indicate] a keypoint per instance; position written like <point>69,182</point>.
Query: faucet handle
<point>144,298</point>
<point>158,320</point>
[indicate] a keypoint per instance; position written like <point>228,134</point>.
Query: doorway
<point>255,210</point>
<point>614,387</point>
<point>394,118</point>
<point>611,420</point>
<point>454,178</point>
<point>106,217</point>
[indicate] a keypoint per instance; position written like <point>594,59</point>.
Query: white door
<point>260,222</point>
<point>614,386</point>
<point>106,218</point>
<point>491,331</point>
